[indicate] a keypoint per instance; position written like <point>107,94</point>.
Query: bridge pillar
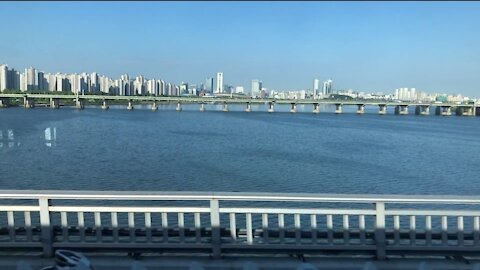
<point>154,106</point>
<point>105,105</point>
<point>443,110</point>
<point>293,109</point>
<point>79,104</point>
<point>360,108</point>
<point>130,105</point>
<point>28,103</point>
<point>401,109</point>
<point>465,111</point>
<point>4,102</point>
<point>249,107</point>
<point>271,106</point>
<point>179,107</point>
<point>382,109</point>
<point>225,107</point>
<point>316,108</point>
<point>54,103</point>
<point>422,110</point>
<point>338,108</point>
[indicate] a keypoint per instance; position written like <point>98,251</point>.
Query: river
<point>93,149</point>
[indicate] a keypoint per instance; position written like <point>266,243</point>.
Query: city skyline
<point>33,79</point>
<point>362,46</point>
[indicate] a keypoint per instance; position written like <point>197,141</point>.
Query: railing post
<point>46,229</point>
<point>380,242</point>
<point>215,224</point>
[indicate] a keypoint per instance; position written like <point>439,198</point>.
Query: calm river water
<point>166,150</point>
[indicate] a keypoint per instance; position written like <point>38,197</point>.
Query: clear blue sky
<point>366,46</point>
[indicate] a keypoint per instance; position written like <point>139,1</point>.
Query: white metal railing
<point>238,222</point>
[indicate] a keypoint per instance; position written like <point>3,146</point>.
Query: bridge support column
<point>271,106</point>
<point>54,103</point>
<point>443,110</point>
<point>28,103</point>
<point>316,108</point>
<point>202,107</point>
<point>401,109</point>
<point>225,107</point>
<point>422,110</point>
<point>179,107</point>
<point>338,108</point>
<point>382,109</point>
<point>293,109</point>
<point>249,107</point>
<point>79,104</point>
<point>360,108</point>
<point>465,111</point>
<point>154,106</point>
<point>4,102</point>
<point>105,105</point>
<point>130,105</point>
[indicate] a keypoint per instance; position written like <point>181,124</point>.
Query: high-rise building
<point>219,86</point>
<point>32,79</point>
<point>40,81</point>
<point>183,88</point>
<point>239,90</point>
<point>61,83</point>
<point>163,88</point>
<point>327,87</point>
<point>209,85</point>
<point>94,85</point>
<point>3,77</point>
<point>13,79</point>
<point>406,94</point>
<point>139,85</point>
<point>256,88</point>
<point>316,87</point>
<point>23,82</point>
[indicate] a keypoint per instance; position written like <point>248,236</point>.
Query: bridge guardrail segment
<point>373,224</point>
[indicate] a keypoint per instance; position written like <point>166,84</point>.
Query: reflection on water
<point>7,138</point>
<point>50,136</point>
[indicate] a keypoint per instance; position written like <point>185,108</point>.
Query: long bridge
<point>401,108</point>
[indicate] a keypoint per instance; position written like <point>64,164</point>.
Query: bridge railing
<point>219,223</point>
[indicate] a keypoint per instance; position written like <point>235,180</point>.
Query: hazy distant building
<point>3,77</point>
<point>316,87</point>
<point>95,86</point>
<point>209,85</point>
<point>256,88</point>
<point>327,87</point>
<point>32,79</point>
<point>406,94</point>
<point>239,90</point>
<point>219,86</point>
<point>183,88</point>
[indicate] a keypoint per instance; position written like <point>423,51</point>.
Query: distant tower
<point>327,87</point>
<point>316,87</point>
<point>219,88</point>
<point>3,77</point>
<point>256,88</point>
<point>209,85</point>
<point>32,79</point>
